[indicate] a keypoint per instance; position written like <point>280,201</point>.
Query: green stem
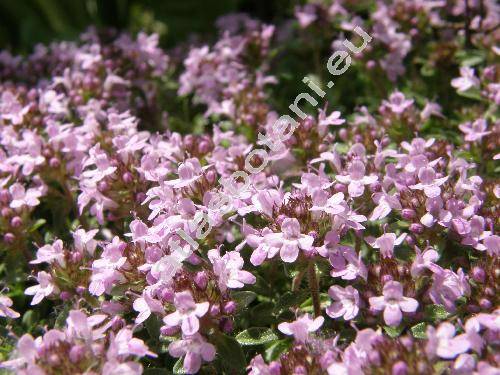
<point>314,287</point>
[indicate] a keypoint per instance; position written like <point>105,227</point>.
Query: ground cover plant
<point>317,195</point>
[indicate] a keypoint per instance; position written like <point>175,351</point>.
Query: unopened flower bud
<point>227,325</point>
<point>408,213</point>
<point>370,64</point>
<point>167,295</point>
<point>169,331</point>
<point>485,304</point>
<point>117,323</point>
<point>340,188</point>
<point>140,197</point>
<point>203,147</point>
<point>386,278</point>
<point>275,368</point>
<point>16,222</point>
<point>4,196</point>
<point>417,228</point>
<point>400,368</point>
<point>214,310</point>
<point>229,307</point>
<point>103,186</point>
<point>375,187</point>
<point>478,274</point>
<point>127,178</point>
<point>76,257</point>
<point>65,296</point>
<point>489,292</point>
<point>211,176</point>
<point>76,353</point>
<point>54,162</point>
<point>80,290</point>
<point>9,238</point>
<point>201,280</point>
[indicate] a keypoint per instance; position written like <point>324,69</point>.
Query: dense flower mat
<point>363,241</point>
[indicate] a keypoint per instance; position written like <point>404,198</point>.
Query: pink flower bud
<point>201,280</point>
<point>386,278</point>
<point>16,222</point>
<point>485,304</point>
<point>65,296</point>
<point>214,310</point>
<point>417,228</point>
<point>400,368</point>
<point>169,331</point>
<point>4,196</point>
<point>227,325</point>
<point>478,274</point>
<point>9,238</point>
<point>408,213</point>
<point>229,307</point>
<point>54,162</point>
<point>127,178</point>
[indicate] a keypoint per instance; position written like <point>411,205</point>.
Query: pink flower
<point>356,178</point>
<point>195,349</point>
<point>262,250</point>
<point>301,327</point>
<point>306,15</point>
<point>448,286</point>
<point>5,310</point>
<point>393,302</point>
<point>443,343</point>
<point>477,236</point>
<point>228,269</point>
<point>27,354</point>
<point>346,302</point>
<point>429,183</point>
<point>466,81</point>
<point>189,171</point>
<point>386,243</point>
<point>145,305</point>
<point>22,197</point>
<point>187,313</point>
<point>475,131</point>
<point>385,204</point>
<point>50,253</point>
<point>127,345</point>
<point>44,289</point>
<point>347,265</point>
<point>333,205</point>
<point>424,261</point>
<point>324,121</point>
<point>398,103</point>
<point>259,367</point>
<point>290,240</point>
<point>105,271</point>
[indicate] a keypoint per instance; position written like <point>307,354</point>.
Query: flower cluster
<point>368,243</point>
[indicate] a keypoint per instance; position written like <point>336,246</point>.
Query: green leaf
<point>37,225</point>
<point>157,371</point>
<point>290,299</point>
<point>436,312</point>
<point>394,332</point>
<point>276,349</point>
<point>153,325</point>
<point>243,299</point>
<point>230,352</point>
<point>418,331</point>
<point>262,314</point>
<point>179,367</point>
<point>256,336</point>
<point>473,93</point>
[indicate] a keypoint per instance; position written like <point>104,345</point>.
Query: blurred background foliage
<point>24,23</point>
